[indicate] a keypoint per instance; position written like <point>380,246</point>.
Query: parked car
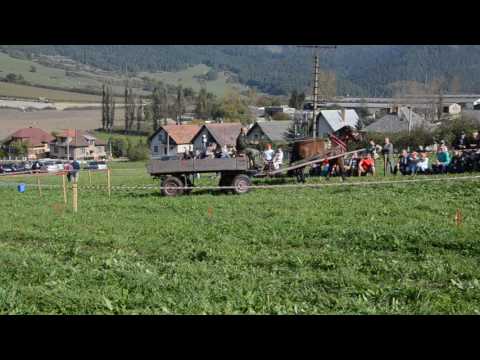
<point>50,166</point>
<point>96,165</point>
<point>6,168</point>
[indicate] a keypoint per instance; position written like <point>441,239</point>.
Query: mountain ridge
<point>369,70</point>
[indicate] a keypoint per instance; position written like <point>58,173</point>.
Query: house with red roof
<point>172,140</point>
<point>77,145</point>
<point>37,141</point>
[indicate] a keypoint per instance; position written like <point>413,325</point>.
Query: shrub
<point>138,152</point>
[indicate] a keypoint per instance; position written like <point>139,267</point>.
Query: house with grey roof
<point>398,121</point>
<point>329,121</point>
<point>269,131</point>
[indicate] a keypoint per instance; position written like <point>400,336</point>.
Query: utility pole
<point>315,79</point>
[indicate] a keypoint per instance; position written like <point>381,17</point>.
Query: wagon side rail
<point>310,162</point>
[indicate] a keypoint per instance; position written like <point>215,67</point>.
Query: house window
<point>155,149</point>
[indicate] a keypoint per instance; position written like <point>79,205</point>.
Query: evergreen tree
<point>127,112</point>
<point>140,115</point>
<point>155,109</point>
<point>111,119</point>
<point>104,108</point>
<point>179,104</point>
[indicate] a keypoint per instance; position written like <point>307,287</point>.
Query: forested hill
<point>360,70</point>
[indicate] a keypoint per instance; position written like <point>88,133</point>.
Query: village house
<point>329,121</point>
<point>37,141</point>
<point>172,140</point>
<point>272,132</point>
<point>452,109</point>
<point>398,121</point>
<point>217,134</point>
<point>81,146</point>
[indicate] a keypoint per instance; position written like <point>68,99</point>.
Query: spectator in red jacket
<point>367,165</point>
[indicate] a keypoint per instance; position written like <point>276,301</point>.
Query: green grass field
<point>58,78</point>
<point>187,79</point>
<point>378,249</point>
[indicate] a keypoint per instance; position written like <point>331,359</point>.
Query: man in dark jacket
<point>388,161</point>
<point>243,147</point>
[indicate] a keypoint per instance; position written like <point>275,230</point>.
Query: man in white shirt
<point>278,159</point>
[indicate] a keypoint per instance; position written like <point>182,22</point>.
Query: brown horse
<point>311,149</point>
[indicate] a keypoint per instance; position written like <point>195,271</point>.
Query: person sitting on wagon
<point>243,148</point>
<point>367,165</point>
<point>278,159</point>
<point>268,155</point>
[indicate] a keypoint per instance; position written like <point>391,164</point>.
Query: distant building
<point>269,131</point>
<point>329,121</point>
<point>213,134</point>
<point>37,141</point>
<point>452,109</point>
<point>172,139</point>
<point>397,121</point>
<point>77,145</point>
<point>283,109</point>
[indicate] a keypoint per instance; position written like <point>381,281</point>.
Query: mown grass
<point>391,249</point>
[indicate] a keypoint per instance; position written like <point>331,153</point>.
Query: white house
<point>172,140</point>
<point>329,121</point>
<point>452,109</point>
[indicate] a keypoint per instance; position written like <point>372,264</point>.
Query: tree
<point>179,104</point>
<point>111,119</point>
<point>296,100</point>
<point>202,108</point>
<point>293,99</point>
<point>140,115</point>
<point>138,152</point>
<point>18,148</point>
<point>156,109</point>
<point>281,116</point>
<point>104,107</point>
<point>234,108</point>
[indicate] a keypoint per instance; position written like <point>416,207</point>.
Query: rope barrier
<point>266,186</point>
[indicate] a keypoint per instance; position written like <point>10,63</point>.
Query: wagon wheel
<point>241,184</point>
<point>175,185</point>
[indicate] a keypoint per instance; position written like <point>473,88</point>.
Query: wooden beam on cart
<point>311,162</point>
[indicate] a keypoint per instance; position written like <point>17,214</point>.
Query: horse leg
<point>341,165</point>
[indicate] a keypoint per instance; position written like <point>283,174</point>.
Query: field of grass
<point>378,249</point>
<point>56,77</point>
<point>33,92</point>
<point>187,79</point>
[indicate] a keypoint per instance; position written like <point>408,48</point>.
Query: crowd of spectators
<point>434,159</point>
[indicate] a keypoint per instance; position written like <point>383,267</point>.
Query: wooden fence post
<point>90,176</point>
<point>75,197</point>
<point>64,189</point>
<point>39,185</point>
<point>109,184</point>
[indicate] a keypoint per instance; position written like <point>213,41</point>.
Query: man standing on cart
<point>243,148</point>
